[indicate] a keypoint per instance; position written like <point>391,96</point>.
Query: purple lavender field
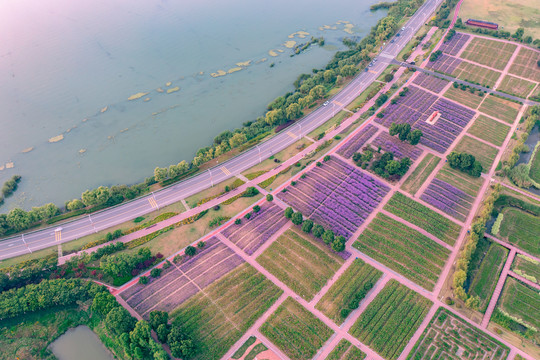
<point>252,233</point>
<point>430,82</point>
<point>416,107</point>
<point>448,198</point>
<point>400,148</point>
<point>455,44</point>
<point>336,196</point>
<point>357,141</point>
<point>445,64</point>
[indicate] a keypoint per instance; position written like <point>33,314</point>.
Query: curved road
<point>43,238</point>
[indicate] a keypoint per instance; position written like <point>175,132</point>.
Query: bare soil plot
<point>502,109</point>
<point>525,64</point>
<point>302,264</point>
<point>450,337</point>
<point>464,97</point>
<point>296,331</point>
<point>184,280</point>
<point>527,267</point>
<point>391,319</point>
<point>343,295</point>
<point>489,130</point>
<point>403,250</point>
<point>251,233</point>
<point>344,350</point>
<point>482,152</point>
<point>415,180</point>
<point>476,74</point>
<point>492,53</point>
<point>516,86</point>
<point>219,316</point>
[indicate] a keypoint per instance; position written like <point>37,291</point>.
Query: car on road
<point>326,103</point>
<point>403,29</point>
<point>391,41</point>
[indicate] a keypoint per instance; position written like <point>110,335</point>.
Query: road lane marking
<point>153,203</point>
<point>225,171</point>
<point>337,103</point>
<point>58,235</point>
<point>291,135</point>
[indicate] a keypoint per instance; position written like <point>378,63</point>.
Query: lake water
<point>80,343</point>
<point>67,69</point>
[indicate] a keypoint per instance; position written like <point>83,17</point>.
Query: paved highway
<point>107,218</point>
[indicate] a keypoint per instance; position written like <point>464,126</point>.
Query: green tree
<point>294,111</point>
<point>162,332</point>
<point>18,219</point>
<point>318,231</point>
<point>414,136</point>
<point>328,237</point>
<point>237,140</point>
<point>338,244</point>
<point>157,318</point>
<point>269,197</point>
<point>297,218</point>
<point>104,302</point>
<point>317,92</point>
<point>307,225</point>
<point>274,117</point>
<point>155,272</point>
<point>289,212</point>
<point>119,321</point>
<point>74,204</point>
<point>392,167</point>
<point>519,33</point>
<point>190,250</point>
<point>181,345</point>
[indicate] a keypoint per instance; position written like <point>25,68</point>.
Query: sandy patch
<point>168,83</point>
<point>218,73</point>
<point>146,100</point>
<point>137,96</point>
<point>244,63</point>
<point>9,165</point>
<point>327,27</point>
<point>280,50</point>
<point>124,130</point>
<point>343,22</point>
<point>174,89</point>
<point>71,128</point>
<point>104,109</point>
<point>82,151</point>
<point>349,28</point>
<point>2,167</point>
<point>261,61</point>
<point>233,70</point>
<point>301,34</point>
<point>290,44</point>
<point>27,150</point>
<point>56,138</point>
<point>85,120</point>
<point>201,72</point>
<point>272,53</point>
<point>160,90</point>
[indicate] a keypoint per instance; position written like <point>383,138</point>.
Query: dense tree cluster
<point>9,187</point>
<point>465,162</point>
<point>404,133</point>
<point>386,167</point>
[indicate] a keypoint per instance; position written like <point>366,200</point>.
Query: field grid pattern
<point>489,130</point>
<point>252,233</point>
<point>492,53</point>
<point>484,153</point>
<point>400,149</point>
<point>516,86</point>
<point>521,301</point>
<point>419,175</point>
<point>180,282</point>
<point>448,198</point>
<point>444,64</point>
<point>464,182</point>
<point>464,97</point>
<point>454,45</point>
<point>357,141</point>
<point>336,196</point>
<point>502,109</point>
<point>476,74</point>
<point>449,337</point>
<point>525,65</point>
<point>344,350</point>
<point>416,107</point>
<point>431,83</point>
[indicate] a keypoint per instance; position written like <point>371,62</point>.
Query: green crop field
<point>219,316</point>
<point>345,294</point>
<point>404,250</point>
<point>476,74</point>
<point>489,130</point>
<point>527,267</point>
<point>482,152</point>
<point>296,331</point>
<point>485,279</point>
<point>525,65</point>
<point>516,86</point>
<point>423,217</point>
<point>344,350</point>
<point>534,171</point>
<point>301,263</point>
<point>522,229</point>
<point>448,336</point>
<point>462,181</point>
<point>464,97</point>
<point>391,319</point>
<point>420,173</point>
<point>502,109</point>
<point>492,53</point>
<point>521,301</point>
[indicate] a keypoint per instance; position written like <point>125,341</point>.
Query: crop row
<point>357,141</point>
<point>430,82</point>
<point>399,148</point>
<point>445,64</point>
<point>448,198</point>
<point>452,46</point>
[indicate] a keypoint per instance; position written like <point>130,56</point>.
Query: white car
<point>326,103</point>
<point>403,29</point>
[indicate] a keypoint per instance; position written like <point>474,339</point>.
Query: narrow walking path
<point>524,280</point>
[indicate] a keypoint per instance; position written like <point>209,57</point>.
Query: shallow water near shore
<point>68,68</point>
<point>80,343</point>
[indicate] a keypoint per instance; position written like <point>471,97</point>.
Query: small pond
<point>80,343</point>
<point>524,158</point>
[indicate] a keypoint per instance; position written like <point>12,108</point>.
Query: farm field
<point>251,233</point>
<point>423,217</point>
<point>344,350</point>
<point>445,64</point>
<point>419,175</point>
<point>355,143</point>
<point>534,171</point>
<point>521,229</point>
<point>482,152</point>
<point>449,337</point>
<point>391,319</point>
<point>476,74</point>
<point>218,317</point>
<point>464,97</point>
<point>346,293</point>
<point>251,349</point>
<point>448,198</point>
<point>404,250</point>
<point>525,65</point>
<point>516,86</point>
<point>484,282</point>
<point>527,267</point>
<point>492,53</point>
<point>295,331</point>
<point>401,149</point>
<point>430,82</point>
<point>489,130</point>
<point>502,109</point>
<point>302,264</point>
<point>466,183</point>
<point>454,45</point>
<point>336,196</point>
<point>181,281</point>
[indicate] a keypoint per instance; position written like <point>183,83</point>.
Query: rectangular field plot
<point>466,183</point>
<point>445,64</point>
<point>400,148</point>
<point>464,97</point>
<point>296,331</point>
<point>521,229</point>
<point>357,141</point>
<point>423,217</point>
<point>431,83</point>
<point>525,64</point>
<point>220,316</point>
<point>419,175</point>
<point>403,250</point>
<point>301,263</point>
<point>417,106</point>
<point>476,74</point>
<point>527,267</point>
<point>346,293</point>
<point>454,45</point>
<point>344,350</point>
<point>489,130</point>
<point>181,281</point>
<point>450,337</point>
<point>516,86</point>
<point>519,301</point>
<point>482,152</point>
<point>336,196</point>
<point>492,53</point>
<point>485,279</point>
<point>448,198</point>
<point>502,109</point>
<point>255,231</point>
<point>391,319</point>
